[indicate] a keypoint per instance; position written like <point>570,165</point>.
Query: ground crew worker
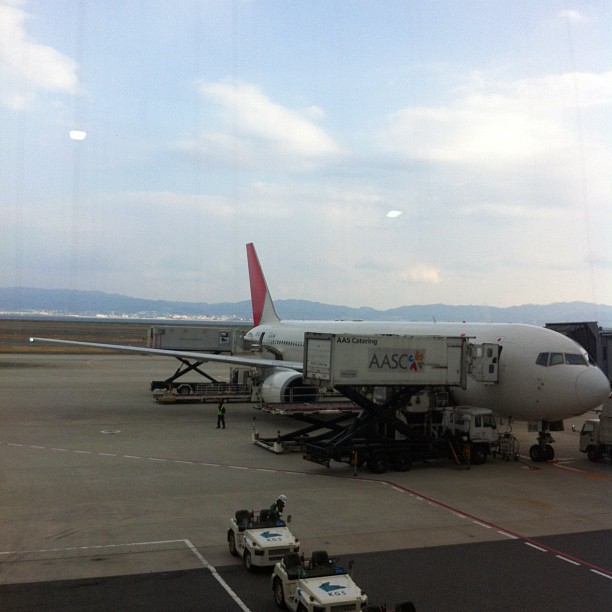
<point>221,415</point>
<point>276,509</point>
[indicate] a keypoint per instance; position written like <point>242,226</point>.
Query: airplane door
<point>253,342</point>
<point>258,342</point>
<point>485,362</point>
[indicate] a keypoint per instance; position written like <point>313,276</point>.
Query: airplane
<point>544,376</point>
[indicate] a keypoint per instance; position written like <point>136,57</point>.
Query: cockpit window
<point>575,359</point>
<point>556,359</point>
<point>546,359</point>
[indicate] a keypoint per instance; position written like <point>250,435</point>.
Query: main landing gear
<point>542,451</point>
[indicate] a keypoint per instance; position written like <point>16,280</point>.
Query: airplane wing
<point>244,360</point>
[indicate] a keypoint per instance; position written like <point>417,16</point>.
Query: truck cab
<point>596,434</point>
<point>259,539</point>
<point>475,427</point>
<point>588,439</point>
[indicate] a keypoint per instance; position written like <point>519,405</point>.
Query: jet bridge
<point>383,374</point>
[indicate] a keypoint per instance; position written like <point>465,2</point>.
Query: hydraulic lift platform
<point>327,418</point>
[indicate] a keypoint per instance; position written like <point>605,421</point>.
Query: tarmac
<point>113,501</point>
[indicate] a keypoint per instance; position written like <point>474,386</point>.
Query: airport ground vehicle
<point>596,435</point>
<point>190,392</point>
<point>464,434</point>
<point>317,584</point>
<point>259,539</point>
<point>402,383</point>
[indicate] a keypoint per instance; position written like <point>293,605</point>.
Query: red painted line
<point>508,532</point>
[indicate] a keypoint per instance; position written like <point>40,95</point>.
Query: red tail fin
<point>261,301</point>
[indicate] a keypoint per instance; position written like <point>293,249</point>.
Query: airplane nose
<point>592,388</point>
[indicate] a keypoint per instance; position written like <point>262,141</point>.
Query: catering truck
<point>596,435</point>
<point>402,383</point>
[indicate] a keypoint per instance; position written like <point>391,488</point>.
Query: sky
<point>377,153</point>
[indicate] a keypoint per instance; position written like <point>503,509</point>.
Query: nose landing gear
<point>542,451</point>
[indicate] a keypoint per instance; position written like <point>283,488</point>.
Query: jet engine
<point>285,386</point>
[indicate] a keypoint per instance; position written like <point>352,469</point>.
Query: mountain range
<point>91,303</point>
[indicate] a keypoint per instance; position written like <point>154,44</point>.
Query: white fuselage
<point>557,387</point>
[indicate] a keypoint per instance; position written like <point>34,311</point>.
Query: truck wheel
<point>279,596</point>
<point>402,461</point>
<point>231,540</point>
<point>248,561</point>
<point>592,453</point>
<point>479,454</point>
<point>378,464</point>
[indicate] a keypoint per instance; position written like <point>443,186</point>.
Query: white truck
<point>596,435</point>
<point>315,585</point>
<point>474,429</point>
<point>260,540</point>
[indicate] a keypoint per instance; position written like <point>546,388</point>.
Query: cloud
<point>501,122</point>
<point>571,15</point>
<point>422,273</point>
<point>256,132</point>
<point>514,211</point>
<point>26,66</point>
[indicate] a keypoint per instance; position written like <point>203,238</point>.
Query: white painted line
<point>108,454</point>
<point>34,446</point>
<point>156,459</point>
<point>508,535</point>
<point>60,449</point>
<point>602,574</point>
<point>83,452</point>
<point>237,467</point>
<point>536,547</point>
<point>181,461</point>
<point>264,470</point>
<point>481,524</point>
<point>459,515</point>
<point>398,489</point>
<point>14,444</point>
<point>217,577</point>
<point>567,560</point>
<point>98,546</point>
<point>131,457</point>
